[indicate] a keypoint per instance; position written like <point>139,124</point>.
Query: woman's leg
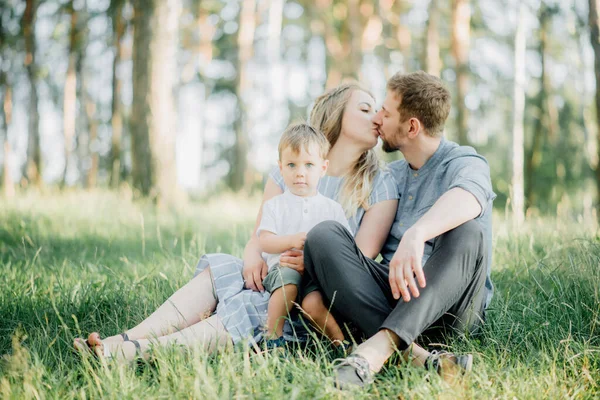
<point>209,334</point>
<point>190,304</point>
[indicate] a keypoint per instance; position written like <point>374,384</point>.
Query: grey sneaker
<point>352,372</point>
<point>449,366</point>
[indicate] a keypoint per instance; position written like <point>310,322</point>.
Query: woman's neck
<point>342,158</point>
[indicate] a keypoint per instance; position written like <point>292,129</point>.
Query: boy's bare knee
<point>313,304</point>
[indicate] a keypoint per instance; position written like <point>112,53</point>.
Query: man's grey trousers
<point>358,289</point>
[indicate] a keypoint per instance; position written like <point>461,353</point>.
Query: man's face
<point>392,132</point>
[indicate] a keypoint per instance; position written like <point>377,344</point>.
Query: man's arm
<point>453,208</point>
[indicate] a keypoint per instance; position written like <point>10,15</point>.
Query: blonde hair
<point>326,116</point>
<point>422,96</point>
<point>302,136</point>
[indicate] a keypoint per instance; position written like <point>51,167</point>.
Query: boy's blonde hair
<point>302,136</point>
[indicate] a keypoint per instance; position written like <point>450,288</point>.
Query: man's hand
<point>405,265</point>
<point>255,270</point>
<point>293,259</point>
<point>297,240</point>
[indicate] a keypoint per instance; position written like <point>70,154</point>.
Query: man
<point>434,276</point>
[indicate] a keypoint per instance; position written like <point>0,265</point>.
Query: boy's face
<point>302,170</point>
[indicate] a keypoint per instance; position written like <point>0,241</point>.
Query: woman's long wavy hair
<point>327,115</point>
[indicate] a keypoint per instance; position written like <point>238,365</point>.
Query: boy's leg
<point>283,284</point>
<point>320,317</point>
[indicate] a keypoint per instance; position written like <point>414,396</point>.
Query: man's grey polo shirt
<point>450,166</point>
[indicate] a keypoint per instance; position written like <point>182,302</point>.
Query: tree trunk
<point>595,39</point>
<point>119,27</point>
<point>403,35</point>
<point>153,119</point>
<point>70,93</point>
<point>245,48</point>
<point>8,186</point>
<point>518,145</point>
<point>33,166</point>
<point>92,127</point>
<point>534,156</point>
<point>207,31</point>
<point>433,62</point>
<point>461,21</point>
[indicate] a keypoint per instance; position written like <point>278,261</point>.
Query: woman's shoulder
<point>387,173</point>
<point>385,186</point>
<point>275,174</point>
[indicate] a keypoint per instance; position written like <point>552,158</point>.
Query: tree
<point>245,43</point>
<point>119,26</point>
<point>153,123</point>
<point>433,62</point>
<point>518,144</point>
<point>8,186</point>
<point>595,39</point>
<point>461,32</point>
<point>546,117</point>
<point>33,166</point>
<point>70,89</point>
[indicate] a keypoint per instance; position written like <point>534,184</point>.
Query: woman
<point>218,306</point>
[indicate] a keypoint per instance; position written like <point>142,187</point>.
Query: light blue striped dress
<point>243,312</point>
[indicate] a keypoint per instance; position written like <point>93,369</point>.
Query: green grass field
<point>76,262</point>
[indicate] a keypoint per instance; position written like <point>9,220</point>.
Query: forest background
<point>81,82</point>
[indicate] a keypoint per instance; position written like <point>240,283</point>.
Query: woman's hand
<point>255,270</point>
<point>293,259</point>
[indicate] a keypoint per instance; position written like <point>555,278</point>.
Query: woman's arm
<point>375,227</point>
<point>255,269</point>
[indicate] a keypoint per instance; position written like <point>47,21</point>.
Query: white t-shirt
<point>288,214</point>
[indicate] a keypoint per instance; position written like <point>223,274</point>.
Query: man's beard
<point>387,147</point>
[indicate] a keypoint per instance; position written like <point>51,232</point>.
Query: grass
<point>76,262</point>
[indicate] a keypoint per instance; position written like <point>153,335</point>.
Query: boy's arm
<point>275,244</point>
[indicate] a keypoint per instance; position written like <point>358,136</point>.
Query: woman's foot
<point>113,349</point>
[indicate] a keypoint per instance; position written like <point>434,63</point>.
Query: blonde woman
<point>220,306</point>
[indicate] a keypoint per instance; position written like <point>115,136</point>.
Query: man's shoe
<point>352,372</point>
<point>449,366</point>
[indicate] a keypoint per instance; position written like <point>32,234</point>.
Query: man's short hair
<point>302,136</point>
<point>422,96</point>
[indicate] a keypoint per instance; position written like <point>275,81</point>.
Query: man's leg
<point>349,281</point>
<point>455,274</point>
<point>455,280</point>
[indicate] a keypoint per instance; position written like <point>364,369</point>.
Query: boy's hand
<point>298,240</point>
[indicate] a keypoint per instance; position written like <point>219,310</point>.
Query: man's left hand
<point>405,265</point>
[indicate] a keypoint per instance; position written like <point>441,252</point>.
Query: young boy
<point>287,218</point>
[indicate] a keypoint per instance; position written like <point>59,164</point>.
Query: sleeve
<point>340,217</point>
<point>268,221</point>
<point>472,173</point>
<point>275,174</point>
<point>385,187</point>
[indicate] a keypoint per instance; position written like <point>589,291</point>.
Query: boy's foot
<point>449,366</point>
<point>352,372</point>
<point>271,344</point>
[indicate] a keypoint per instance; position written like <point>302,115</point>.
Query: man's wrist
<point>417,232</point>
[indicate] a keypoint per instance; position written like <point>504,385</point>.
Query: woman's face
<point>357,124</point>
